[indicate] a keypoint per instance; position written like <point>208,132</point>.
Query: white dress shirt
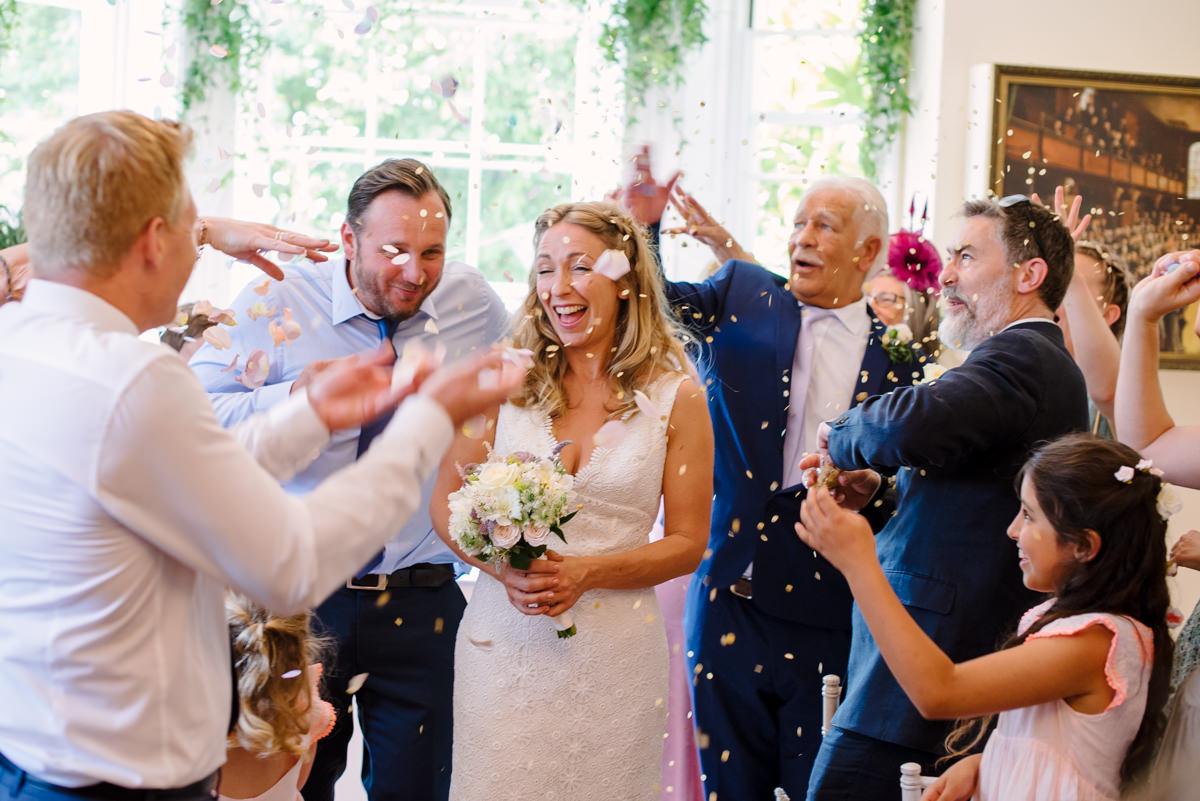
<point>127,509</point>
<point>462,313</point>
<point>829,353</point>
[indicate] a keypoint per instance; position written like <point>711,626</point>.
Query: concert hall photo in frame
<point>1129,144</point>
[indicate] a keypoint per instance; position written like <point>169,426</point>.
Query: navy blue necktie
<point>373,429</point>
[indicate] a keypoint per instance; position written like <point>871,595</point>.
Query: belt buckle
<point>381,582</point>
<point>742,588</point>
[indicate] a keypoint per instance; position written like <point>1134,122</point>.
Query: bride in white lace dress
<point>540,717</point>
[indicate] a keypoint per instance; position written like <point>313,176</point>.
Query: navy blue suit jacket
<point>748,324</point>
<point>955,445</point>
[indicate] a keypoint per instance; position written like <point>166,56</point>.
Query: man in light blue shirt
<point>395,622</point>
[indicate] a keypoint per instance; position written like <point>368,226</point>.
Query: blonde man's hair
<point>274,712</point>
<point>647,341</point>
<point>96,182</point>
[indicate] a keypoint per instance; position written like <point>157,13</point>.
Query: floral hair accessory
<point>1168,502</point>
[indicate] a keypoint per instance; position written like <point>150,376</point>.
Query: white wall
<point>955,37</point>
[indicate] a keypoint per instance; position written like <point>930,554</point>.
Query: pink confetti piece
<point>229,368</point>
<point>610,434</point>
<point>446,86</point>
<point>202,308</point>
<point>475,427</point>
<point>213,185</point>
<point>276,332</point>
<point>263,288</point>
<point>363,27</point>
<point>291,674</point>
<point>290,326</point>
<point>519,357</point>
<point>489,379</point>
<point>262,111</point>
<point>222,316</point>
<point>257,368</point>
<point>612,264</point>
<point>356,682</point>
<point>372,14</point>
<point>261,309</point>
<point>166,79</point>
<point>647,406</point>
<point>218,51</point>
<point>217,337</point>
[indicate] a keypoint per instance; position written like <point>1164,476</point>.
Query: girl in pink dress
<point>281,714</point>
<point>1080,687</point>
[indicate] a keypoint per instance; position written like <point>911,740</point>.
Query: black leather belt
<point>111,792</point>
<point>422,575</point>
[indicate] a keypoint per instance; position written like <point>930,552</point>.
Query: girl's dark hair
<point>1074,481</point>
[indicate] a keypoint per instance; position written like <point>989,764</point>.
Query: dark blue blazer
<point>955,445</point>
<point>747,323</point>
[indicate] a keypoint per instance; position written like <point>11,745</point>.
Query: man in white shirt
<point>128,509</point>
<point>397,619</point>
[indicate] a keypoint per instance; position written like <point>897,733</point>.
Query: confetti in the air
<point>257,368</point>
<point>217,337</point>
<point>431,327</point>
<point>610,434</point>
<point>356,682</point>
<point>218,51</point>
<point>261,309</point>
<point>647,406</point>
<point>263,288</point>
<point>612,264</point>
<point>229,368</point>
<point>401,258</point>
<point>291,674</point>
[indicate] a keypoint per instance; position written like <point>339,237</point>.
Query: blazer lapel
<point>875,365</point>
<point>787,329</point>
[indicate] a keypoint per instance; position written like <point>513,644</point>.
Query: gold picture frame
<point>1130,144</point>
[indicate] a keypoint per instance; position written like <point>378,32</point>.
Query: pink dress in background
<point>1052,751</point>
<point>681,762</point>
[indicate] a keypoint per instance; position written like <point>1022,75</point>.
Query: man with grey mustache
<point>954,446</point>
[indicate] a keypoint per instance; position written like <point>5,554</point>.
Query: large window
<point>805,108</point>
<point>498,97</point>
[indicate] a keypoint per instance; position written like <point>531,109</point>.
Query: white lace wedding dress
<point>538,717</point>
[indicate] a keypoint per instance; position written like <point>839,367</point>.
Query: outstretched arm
<point>1097,351</point>
<point>701,225</point>
<point>1034,672</point>
<point>1142,419</point>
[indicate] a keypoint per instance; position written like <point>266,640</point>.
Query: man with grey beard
<point>955,446</point>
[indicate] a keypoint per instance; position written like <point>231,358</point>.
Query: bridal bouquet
<point>507,508</point>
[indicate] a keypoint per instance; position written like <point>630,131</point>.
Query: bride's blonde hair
<point>647,341</point>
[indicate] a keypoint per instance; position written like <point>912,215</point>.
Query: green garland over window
<point>886,40</point>
<point>650,40</point>
<point>227,43</point>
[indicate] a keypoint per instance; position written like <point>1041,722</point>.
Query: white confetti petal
<point>648,407</point>
<point>610,434</point>
<point>291,674</point>
<point>402,258</point>
<point>612,264</point>
<point>356,682</point>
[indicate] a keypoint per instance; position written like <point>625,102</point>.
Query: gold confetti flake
<point>383,598</point>
<point>356,682</point>
<point>725,755</point>
<point>438,626</point>
<point>736,525</point>
<point>758,668</point>
<point>399,621</point>
<point>789,656</point>
<point>749,474</point>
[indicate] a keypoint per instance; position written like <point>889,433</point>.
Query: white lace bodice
<point>618,488</point>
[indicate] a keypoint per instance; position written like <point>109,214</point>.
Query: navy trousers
<point>756,687</point>
<point>17,785</point>
<point>403,639</point>
<point>854,767</point>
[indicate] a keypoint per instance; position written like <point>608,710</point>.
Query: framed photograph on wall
<point>1129,145</point>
